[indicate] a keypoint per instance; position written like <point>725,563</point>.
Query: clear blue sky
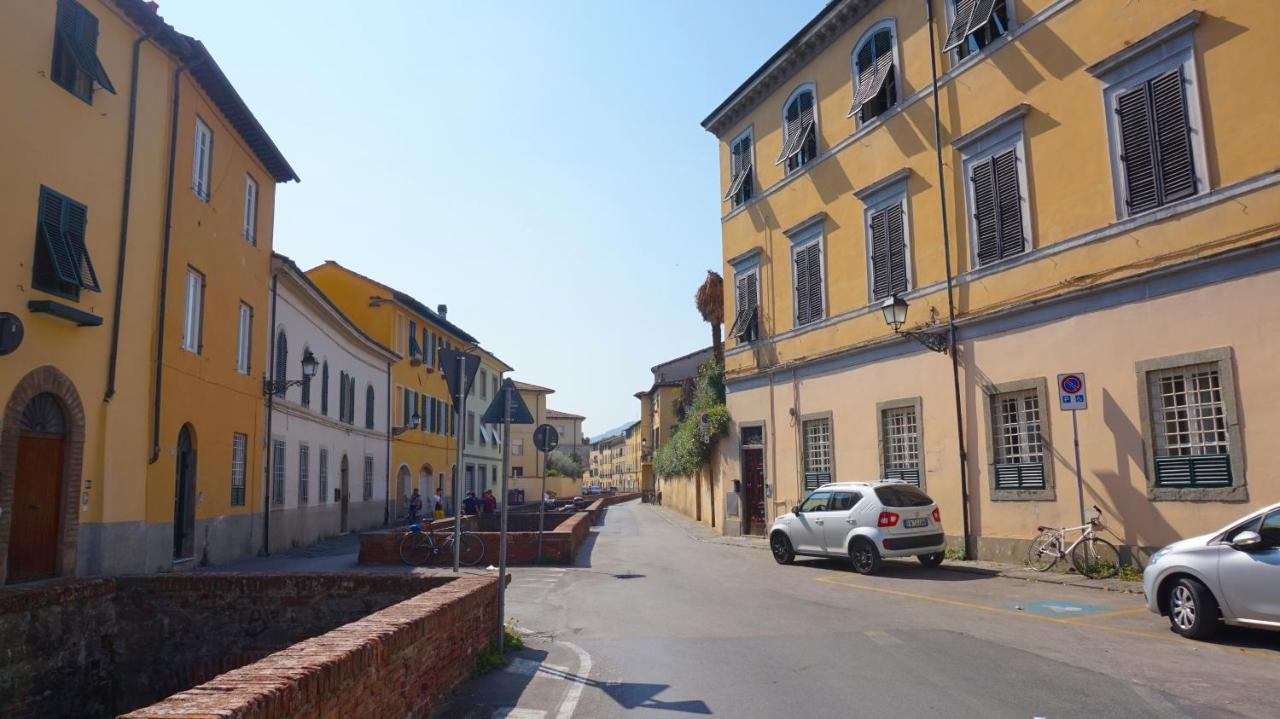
<point>537,166</point>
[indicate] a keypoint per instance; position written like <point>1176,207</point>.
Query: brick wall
<point>560,543</point>
<point>399,662</point>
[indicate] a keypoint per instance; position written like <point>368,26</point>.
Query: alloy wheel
<point>862,557</point>
<point>1182,608</point>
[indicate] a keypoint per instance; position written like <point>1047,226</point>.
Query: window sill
<point>1198,494</point>
<point>65,312</point>
<point>1024,495</point>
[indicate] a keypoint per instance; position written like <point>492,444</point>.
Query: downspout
<point>271,405</point>
<point>386,512</point>
<point>951,306</point>
<point>124,210</point>
<point>164,260</point>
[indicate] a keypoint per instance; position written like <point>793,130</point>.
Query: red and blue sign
<point>1071,393</point>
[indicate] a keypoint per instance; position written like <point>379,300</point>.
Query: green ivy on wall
<point>689,448</point>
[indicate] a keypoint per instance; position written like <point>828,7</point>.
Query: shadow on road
<point>630,695</point>
<point>903,569</point>
<point>1239,637</point>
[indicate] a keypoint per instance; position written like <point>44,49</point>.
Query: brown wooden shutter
<point>879,256</point>
<point>1137,150</point>
<point>1008,203</point>
<point>984,213</point>
<point>1172,137</point>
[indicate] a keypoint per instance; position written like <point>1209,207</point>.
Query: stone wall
<point>563,535</point>
<point>94,648</point>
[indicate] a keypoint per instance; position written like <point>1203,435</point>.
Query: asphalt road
<point>658,622</point>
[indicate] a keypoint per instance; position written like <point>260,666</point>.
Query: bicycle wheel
<point>1096,558</point>
<point>415,549</point>
<point>1045,550</point>
<point>471,550</point>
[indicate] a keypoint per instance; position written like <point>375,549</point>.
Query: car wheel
<point>931,560</point>
<point>781,546</point>
<point>864,556</point>
<point>1193,612</point>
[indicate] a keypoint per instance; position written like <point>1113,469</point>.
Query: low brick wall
<point>94,648</point>
<point>563,535</point>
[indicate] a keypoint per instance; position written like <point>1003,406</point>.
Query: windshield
<point>902,495</point>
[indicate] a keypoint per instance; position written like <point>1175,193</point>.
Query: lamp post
<point>272,386</point>
<point>895,315</point>
<point>278,385</point>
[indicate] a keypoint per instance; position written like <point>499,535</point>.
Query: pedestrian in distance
<point>415,506</point>
<point>471,505</point>
<point>437,504</point>
<point>488,502</point>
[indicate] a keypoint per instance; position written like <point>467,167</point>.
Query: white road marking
<point>517,713</point>
<point>880,637</point>
<point>571,697</point>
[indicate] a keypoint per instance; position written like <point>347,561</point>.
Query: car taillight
<point>937,515</point>
<point>887,519</point>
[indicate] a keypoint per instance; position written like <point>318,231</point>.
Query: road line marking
<point>880,637</point>
<point>1101,615</point>
<point>571,697</point>
<point>1074,621</point>
<point>517,713</point>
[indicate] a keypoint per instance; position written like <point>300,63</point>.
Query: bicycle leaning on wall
<point>418,548</point>
<point>1091,555</point>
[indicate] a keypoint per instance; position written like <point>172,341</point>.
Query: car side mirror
<point>1246,540</point>
<point>796,510</point>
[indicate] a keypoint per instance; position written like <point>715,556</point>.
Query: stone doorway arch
<point>45,399</point>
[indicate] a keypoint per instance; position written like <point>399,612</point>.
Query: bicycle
<point>418,548</point>
<point>1092,556</point>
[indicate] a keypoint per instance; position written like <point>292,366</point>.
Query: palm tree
<point>710,302</point>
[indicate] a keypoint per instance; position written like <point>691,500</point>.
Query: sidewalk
<point>702,533</point>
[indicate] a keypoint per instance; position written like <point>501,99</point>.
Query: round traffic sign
<point>546,438</point>
<point>1071,384</point>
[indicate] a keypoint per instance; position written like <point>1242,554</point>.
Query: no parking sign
<point>1071,394</point>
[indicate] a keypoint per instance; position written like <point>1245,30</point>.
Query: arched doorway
<point>344,481</point>
<point>402,491</point>
<point>184,497</point>
<point>424,480</point>
<point>37,491</point>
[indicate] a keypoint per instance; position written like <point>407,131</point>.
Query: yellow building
<point>424,448</point>
<point>615,460</point>
<point>1105,202</point>
<point>660,413</point>
<point>527,464</point>
<point>96,180</point>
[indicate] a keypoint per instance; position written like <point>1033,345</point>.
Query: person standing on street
<point>437,504</point>
<point>415,506</point>
<point>489,503</point>
<point>471,505</point>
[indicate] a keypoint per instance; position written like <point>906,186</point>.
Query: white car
<point>1231,575</point>
<point>864,521</point>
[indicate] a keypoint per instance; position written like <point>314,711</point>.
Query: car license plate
<point>913,523</point>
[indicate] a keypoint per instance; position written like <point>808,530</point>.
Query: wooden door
<point>37,508</point>
<point>754,511</point>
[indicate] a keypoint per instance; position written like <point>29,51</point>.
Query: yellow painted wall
<point>1045,68</point>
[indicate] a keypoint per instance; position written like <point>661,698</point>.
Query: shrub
<point>689,448</point>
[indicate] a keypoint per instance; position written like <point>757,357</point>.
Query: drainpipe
<point>386,512</point>
<point>124,210</point>
<point>951,306</point>
<point>271,404</point>
<point>164,259</point>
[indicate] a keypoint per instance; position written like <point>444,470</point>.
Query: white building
<point>482,453</point>
<point>329,448</point>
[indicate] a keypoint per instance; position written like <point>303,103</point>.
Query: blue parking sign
<point>1071,392</point>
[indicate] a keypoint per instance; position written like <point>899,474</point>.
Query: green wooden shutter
<point>814,251</point>
<point>879,256</point>
<point>324,389</point>
<point>1172,136</point>
<point>801,260</point>
<point>984,213</point>
<point>52,232</point>
<point>1137,150</point>
<point>1008,203</point>
<point>86,49</point>
<point>282,363</point>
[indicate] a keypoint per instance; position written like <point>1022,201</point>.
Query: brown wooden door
<point>37,508</point>
<point>753,491</point>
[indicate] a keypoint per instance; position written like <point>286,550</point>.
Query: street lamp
<point>895,315</point>
<point>279,385</point>
<point>413,422</point>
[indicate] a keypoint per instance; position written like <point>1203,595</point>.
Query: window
<point>1019,444</point>
<point>202,160</point>
<point>322,475</point>
<point>807,273</point>
<point>844,501</point>
<point>282,365</point>
<point>277,472</point>
<point>75,52</point>
<point>799,131</point>
<point>975,24</point>
<point>741,174</point>
<point>817,452</point>
<point>239,457</point>
<point>470,478</point>
<point>428,347</point>
<point>367,485</point>
<point>816,502</point>
<point>484,384</point>
<point>887,237</point>
<point>471,427</point>
<point>875,83</point>
<point>900,443</point>
<point>306,382</point>
<point>1189,424</point>
<point>62,265</point>
<point>304,473</point>
<point>250,231</point>
<point>244,338</point>
<point>746,323</point>
<point>517,471</point>
<point>193,319</point>
<point>414,350</point>
<point>484,477</point>
<point>999,207</point>
<point>493,386</point>
<point>324,388</point>
<point>517,447</point>
<point>368,407</point>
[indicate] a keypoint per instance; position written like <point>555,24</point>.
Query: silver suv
<point>1231,575</point>
<point>864,521</point>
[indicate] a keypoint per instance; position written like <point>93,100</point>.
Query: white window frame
<point>885,438</point>
<point>1008,136</point>
<point>897,197</point>
<point>244,339</point>
<point>202,161</point>
<point>953,56</point>
<point>1129,72</point>
<point>193,317</point>
<point>811,87</point>
<point>802,242</point>
<point>250,231</point>
<point>892,25</point>
<point>807,452</point>
<point>993,393</point>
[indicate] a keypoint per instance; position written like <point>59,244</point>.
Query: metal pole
<point>502,529</point>
<point>457,471</point>
<point>542,504</point>
<point>951,303</point>
<point>1075,437</point>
